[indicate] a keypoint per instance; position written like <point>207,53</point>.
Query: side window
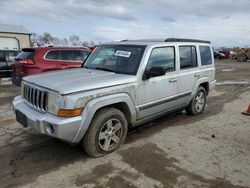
<point>80,55</point>
<point>206,58</point>
<point>2,56</point>
<point>162,57</point>
<point>67,55</point>
<point>188,57</point>
<point>53,55</point>
<point>11,56</point>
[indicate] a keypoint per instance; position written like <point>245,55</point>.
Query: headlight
<point>54,102</point>
<point>63,106</point>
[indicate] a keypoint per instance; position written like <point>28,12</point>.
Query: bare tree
<point>85,43</point>
<point>64,41</point>
<point>47,38</point>
<point>92,44</point>
<point>75,40</point>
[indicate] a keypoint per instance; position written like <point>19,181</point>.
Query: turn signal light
<point>70,112</point>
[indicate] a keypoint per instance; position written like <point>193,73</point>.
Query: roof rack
<point>167,40</point>
<point>142,40</point>
<point>186,40</point>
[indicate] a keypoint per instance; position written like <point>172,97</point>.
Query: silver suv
<point>122,84</point>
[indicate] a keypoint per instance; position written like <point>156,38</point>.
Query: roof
<point>159,41</point>
<point>59,48</point>
<point>18,29</point>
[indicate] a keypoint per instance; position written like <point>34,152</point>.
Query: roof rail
<point>186,40</point>
<point>64,46</point>
<point>142,40</point>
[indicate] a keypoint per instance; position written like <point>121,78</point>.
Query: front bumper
<point>63,128</point>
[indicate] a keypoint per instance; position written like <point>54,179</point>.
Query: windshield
<point>124,59</point>
<point>26,54</point>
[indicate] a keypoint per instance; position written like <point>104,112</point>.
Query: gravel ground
<point>209,150</point>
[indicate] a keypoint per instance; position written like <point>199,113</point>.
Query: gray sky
<point>224,22</point>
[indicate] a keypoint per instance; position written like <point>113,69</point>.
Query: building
<point>14,37</point>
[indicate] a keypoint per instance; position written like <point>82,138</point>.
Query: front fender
<point>93,105</point>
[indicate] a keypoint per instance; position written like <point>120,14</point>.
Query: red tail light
<point>28,62</point>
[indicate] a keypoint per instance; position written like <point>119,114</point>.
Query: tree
<point>75,40</point>
<point>47,38</point>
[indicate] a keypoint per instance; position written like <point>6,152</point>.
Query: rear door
<point>71,58</point>
<point>62,59</point>
<point>189,71</point>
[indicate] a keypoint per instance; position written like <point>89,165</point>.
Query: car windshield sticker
<point>122,53</point>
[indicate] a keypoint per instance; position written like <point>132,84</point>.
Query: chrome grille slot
<point>35,97</point>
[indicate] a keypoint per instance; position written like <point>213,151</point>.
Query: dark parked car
<point>6,60</point>
<point>42,59</point>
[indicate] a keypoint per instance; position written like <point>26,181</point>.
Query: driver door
<point>158,94</point>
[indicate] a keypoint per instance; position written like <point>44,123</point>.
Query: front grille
<point>36,97</point>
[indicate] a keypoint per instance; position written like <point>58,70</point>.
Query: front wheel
<point>198,103</point>
<point>106,133</point>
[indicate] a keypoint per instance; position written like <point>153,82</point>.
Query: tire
<point>198,103</point>
<point>241,57</point>
<point>106,133</point>
<point>15,81</point>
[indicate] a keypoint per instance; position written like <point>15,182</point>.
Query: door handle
<point>172,80</point>
<point>197,74</point>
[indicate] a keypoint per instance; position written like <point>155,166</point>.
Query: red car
<point>41,59</point>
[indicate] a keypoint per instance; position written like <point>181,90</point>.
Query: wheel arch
<point>120,101</point>
<point>204,82</point>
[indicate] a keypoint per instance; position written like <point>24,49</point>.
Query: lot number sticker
<point>122,53</point>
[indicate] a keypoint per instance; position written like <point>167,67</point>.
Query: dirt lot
<point>210,150</point>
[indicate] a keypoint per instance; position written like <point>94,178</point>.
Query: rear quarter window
<point>206,57</point>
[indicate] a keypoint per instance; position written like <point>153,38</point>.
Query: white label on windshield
<point>122,53</point>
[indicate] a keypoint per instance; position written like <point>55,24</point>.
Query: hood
<point>79,79</point>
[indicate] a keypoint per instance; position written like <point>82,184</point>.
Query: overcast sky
<point>224,22</point>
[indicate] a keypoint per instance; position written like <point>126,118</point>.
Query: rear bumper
<point>63,128</point>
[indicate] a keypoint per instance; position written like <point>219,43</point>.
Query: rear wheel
<point>106,133</point>
<point>198,103</point>
<point>241,57</point>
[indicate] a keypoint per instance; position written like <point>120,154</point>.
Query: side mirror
<point>154,72</point>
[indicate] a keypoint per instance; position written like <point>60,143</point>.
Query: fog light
<point>50,129</point>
